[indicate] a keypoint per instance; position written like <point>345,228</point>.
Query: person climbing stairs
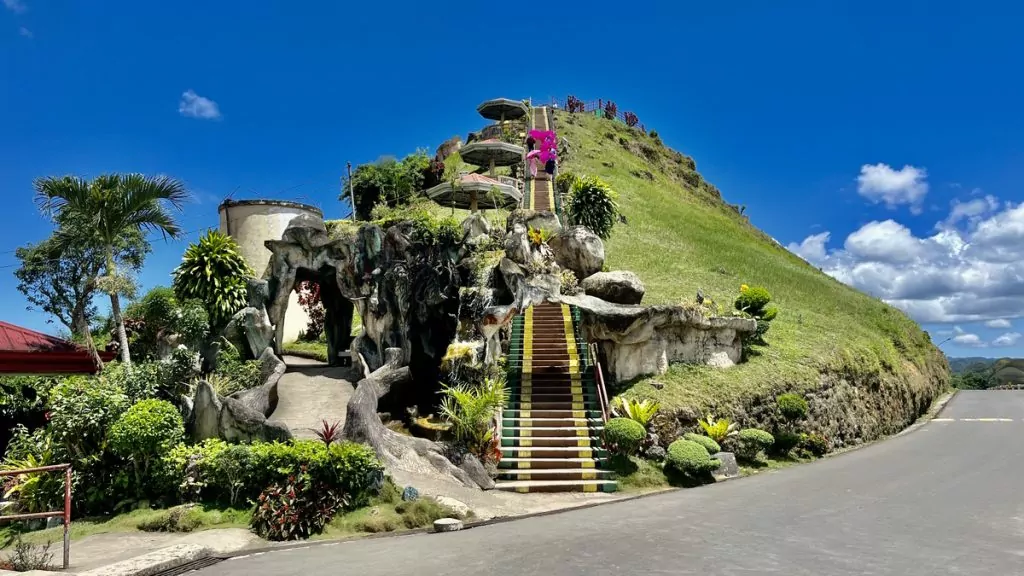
<point>551,431</point>
<point>540,189</point>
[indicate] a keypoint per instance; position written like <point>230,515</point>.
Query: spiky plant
<point>718,430</point>
<point>591,203</point>
<point>213,272</point>
<point>640,411</point>
<point>469,409</point>
<point>329,433</point>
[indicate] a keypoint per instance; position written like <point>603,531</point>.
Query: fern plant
<point>469,409</point>
<point>214,272</point>
<point>718,430</point>
<point>640,411</point>
<point>592,203</point>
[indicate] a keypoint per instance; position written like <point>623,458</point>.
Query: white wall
<point>253,224</point>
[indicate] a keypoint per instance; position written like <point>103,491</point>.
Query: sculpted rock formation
<point>579,250</point>
<point>618,287</point>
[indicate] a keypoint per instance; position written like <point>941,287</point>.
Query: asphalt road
<point>947,498</point>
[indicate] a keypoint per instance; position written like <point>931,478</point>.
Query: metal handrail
<point>65,513</point>
<point>602,392</point>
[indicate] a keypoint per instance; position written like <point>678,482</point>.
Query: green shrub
<point>792,406</point>
<point>143,434</point>
<point>591,203</point>
<point>386,181</point>
<point>710,445</point>
<point>751,442</point>
<point>570,285</point>
<point>752,300</point>
<point>157,316</point>
<point>785,440</point>
<point>214,272</point>
<point>296,509</point>
<point>640,411</point>
<point>717,430</point>
<point>470,409</point>
<point>690,458</point>
<point>236,473</point>
<point>814,444</point>
<point>81,411</point>
<point>177,519</point>
<point>423,512</point>
<point>624,436</point>
<point>565,181</point>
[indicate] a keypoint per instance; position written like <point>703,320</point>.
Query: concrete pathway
<point>310,392</point>
<point>943,499</point>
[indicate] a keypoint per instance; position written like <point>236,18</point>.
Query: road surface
<point>945,499</point>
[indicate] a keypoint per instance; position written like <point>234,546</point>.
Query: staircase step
<point>511,422</point>
<point>539,413</point>
<point>553,452</point>
<point>535,406</point>
<point>525,486</point>
<point>582,431</point>
<point>551,441</point>
<point>550,463</point>
<point>521,474</point>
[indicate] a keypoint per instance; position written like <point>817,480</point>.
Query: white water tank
<point>251,223</point>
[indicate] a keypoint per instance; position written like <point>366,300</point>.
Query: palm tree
<point>107,207</point>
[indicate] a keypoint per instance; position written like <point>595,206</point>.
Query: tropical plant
<point>564,182</point>
<point>388,181</point>
<point>569,284</point>
<point>296,509</point>
<point>718,430</point>
<point>214,272</point>
<point>28,489</point>
<point>538,236</point>
<point>690,458</point>
<point>329,433</point>
<point>158,321</point>
<point>640,411</point>
<point>143,434</point>
<point>470,410</point>
<point>751,442</point>
<point>102,212</point>
<point>624,436</point>
<point>592,203</point>
<point>710,445</point>
<point>60,278</point>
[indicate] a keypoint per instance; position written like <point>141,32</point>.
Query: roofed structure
<point>24,351</point>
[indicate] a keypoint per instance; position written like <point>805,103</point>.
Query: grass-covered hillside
<point>681,236</point>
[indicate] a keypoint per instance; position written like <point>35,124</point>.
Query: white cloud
<point>972,211</point>
<point>879,183</point>
<point>812,248</point>
<point>25,32</point>
<point>193,105</point>
<point>969,340</point>
<point>973,272</point>
<point>16,6</point>
<point>1008,339</point>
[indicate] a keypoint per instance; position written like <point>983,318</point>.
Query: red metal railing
<point>602,392</point>
<point>65,513</point>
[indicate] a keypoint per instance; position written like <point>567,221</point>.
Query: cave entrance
<point>327,314</point>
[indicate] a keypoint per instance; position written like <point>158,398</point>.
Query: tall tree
<point>61,280</point>
<point>104,210</point>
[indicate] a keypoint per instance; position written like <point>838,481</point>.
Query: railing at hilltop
<point>597,108</point>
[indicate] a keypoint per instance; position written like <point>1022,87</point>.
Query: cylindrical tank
<point>251,223</point>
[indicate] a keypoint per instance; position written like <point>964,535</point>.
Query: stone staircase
<point>551,431</point>
<point>539,193</point>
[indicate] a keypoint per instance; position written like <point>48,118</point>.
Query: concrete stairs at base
<point>551,431</point>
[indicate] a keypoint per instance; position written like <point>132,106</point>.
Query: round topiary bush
<point>792,406</point>
<point>144,434</point>
<point>751,442</point>
<point>708,443</point>
<point>690,458</point>
<point>624,436</point>
<point>785,440</point>
<point>753,299</point>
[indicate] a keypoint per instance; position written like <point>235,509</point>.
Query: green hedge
<point>237,473</point>
<point>751,442</point>
<point>624,435</point>
<point>690,458</point>
<point>708,443</point>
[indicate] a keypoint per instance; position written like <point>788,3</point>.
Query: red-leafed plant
<point>309,299</point>
<point>631,119</point>
<point>610,110</point>
<point>296,509</point>
<point>329,433</point>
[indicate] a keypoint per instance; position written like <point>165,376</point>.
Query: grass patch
<point>194,519</point>
<point>315,350</point>
<point>771,463</point>
<point>635,474</point>
<point>681,237</point>
<point>388,513</point>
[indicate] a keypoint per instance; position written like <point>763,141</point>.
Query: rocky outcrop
<point>231,419</point>
<point>536,219</point>
<point>475,228</point>
<point>578,249</point>
<point>617,287</point>
<point>263,399</point>
<point>644,340</point>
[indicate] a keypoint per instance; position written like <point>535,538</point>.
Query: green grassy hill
<point>682,236</point>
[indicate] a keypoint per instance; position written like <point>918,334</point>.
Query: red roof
<point>24,351</point>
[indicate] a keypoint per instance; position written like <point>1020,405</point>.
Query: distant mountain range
<point>976,372</point>
<point>957,365</point>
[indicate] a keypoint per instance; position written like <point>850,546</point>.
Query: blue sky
<point>871,121</point>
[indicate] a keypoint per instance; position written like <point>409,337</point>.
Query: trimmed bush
<point>690,458</point>
<point>814,444</point>
<point>624,436</point>
<point>143,434</point>
<point>751,442</point>
<point>710,445</point>
<point>792,406</point>
<point>753,299</point>
<point>295,509</point>
<point>785,441</point>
